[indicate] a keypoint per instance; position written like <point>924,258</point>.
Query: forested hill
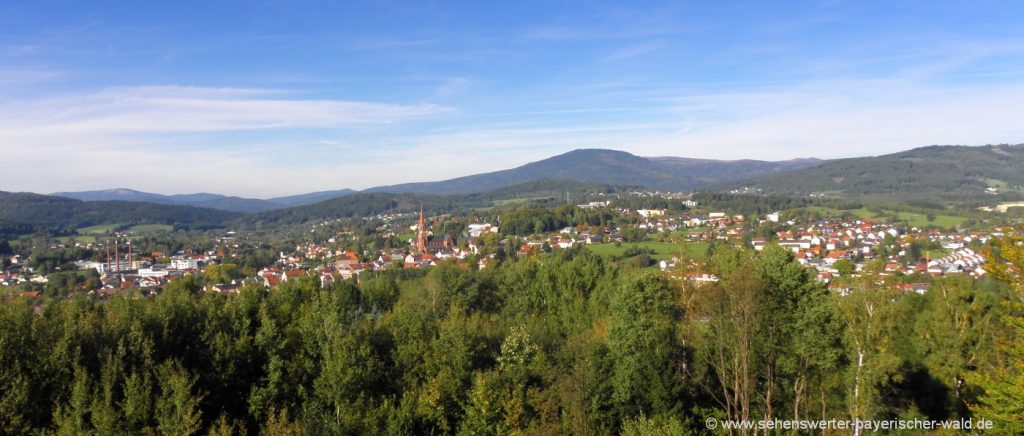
<point>609,167</point>
<point>349,206</point>
<point>25,210</point>
<point>206,200</point>
<point>958,174</point>
<point>309,198</point>
<point>373,203</point>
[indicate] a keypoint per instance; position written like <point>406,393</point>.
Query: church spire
<point>421,237</point>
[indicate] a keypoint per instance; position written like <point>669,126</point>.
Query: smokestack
<point>117,258</point>
<point>130,265</point>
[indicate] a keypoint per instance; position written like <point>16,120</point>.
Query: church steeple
<point>421,237</point>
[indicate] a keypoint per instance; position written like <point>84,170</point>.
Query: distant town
<point>672,240</point>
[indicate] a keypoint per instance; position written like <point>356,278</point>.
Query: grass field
<point>686,232</point>
<point>98,229</point>
<point>151,228</point>
<point>518,200</point>
<point>86,239</point>
<point>996,183</point>
<point>921,220</point>
<point>89,234</point>
<point>662,250</point>
<point>913,219</point>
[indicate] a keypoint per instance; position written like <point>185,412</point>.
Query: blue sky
<point>280,97</point>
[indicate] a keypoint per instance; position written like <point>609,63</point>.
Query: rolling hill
<point>206,200</point>
<point>609,167</point>
<point>310,198</point>
<point>59,214</point>
<point>937,174</point>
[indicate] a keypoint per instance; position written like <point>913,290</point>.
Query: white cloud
<point>133,137</point>
<point>160,110</point>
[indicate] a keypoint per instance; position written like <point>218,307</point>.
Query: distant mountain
<point>207,200</point>
<point>203,199</point>
<point>708,172</point>
<point>119,194</point>
<point>609,167</point>
<point>64,214</point>
<point>938,174</point>
<point>310,198</point>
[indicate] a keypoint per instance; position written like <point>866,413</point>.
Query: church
<point>425,243</point>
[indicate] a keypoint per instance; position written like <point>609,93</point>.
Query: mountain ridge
<point>205,199</point>
<point>932,173</point>
<point>603,166</point>
<point>968,175</point>
<point>609,167</point>
<point>66,214</point>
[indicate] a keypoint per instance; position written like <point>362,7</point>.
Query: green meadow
<point>662,250</point>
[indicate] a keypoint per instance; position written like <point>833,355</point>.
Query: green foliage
<point>177,407</point>
<point>531,220</point>
<point>662,425</point>
<point>1001,379</point>
<point>644,346</point>
<point>845,267</point>
<point>222,273</point>
<point>770,338</point>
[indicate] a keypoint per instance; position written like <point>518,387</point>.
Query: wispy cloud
<point>389,43</point>
<point>12,77</point>
<point>18,50</point>
<point>454,86</point>
<point>71,141</point>
<point>172,109</point>
<point>635,50</point>
<point>592,32</point>
<point>559,33</point>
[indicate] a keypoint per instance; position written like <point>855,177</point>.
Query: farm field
<point>912,218</point>
<point>662,250</point>
<point>99,229</point>
<point>86,239</point>
<point>150,228</point>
